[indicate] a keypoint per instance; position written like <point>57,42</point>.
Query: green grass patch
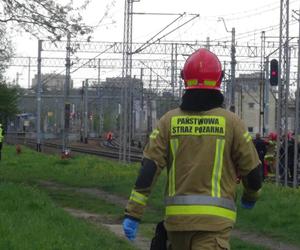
<point>90,203</point>
<point>30,221</point>
<point>276,214</point>
<point>237,244</point>
<point>114,214</point>
<point>82,171</point>
<point>87,203</point>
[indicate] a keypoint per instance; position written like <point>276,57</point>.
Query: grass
<point>83,171</point>
<point>30,221</point>
<point>86,202</point>
<point>114,214</point>
<point>31,166</point>
<point>237,244</point>
<point>276,214</point>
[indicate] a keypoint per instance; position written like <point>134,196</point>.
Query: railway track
<point>112,153</point>
<point>100,148</point>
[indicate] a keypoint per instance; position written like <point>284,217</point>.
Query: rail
<point>111,153</point>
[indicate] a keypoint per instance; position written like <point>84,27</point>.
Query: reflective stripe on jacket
<point>202,152</point>
<point>1,135</point>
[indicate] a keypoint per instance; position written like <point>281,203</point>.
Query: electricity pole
<point>233,64</point>
<point>39,96</point>
<point>283,92</point>
<point>297,99</point>
<point>67,105</point>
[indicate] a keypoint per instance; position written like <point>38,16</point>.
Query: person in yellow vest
<point>270,155</point>
<point>203,147</point>
<point>1,139</point>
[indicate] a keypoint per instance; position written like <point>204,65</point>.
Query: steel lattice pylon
<point>126,106</point>
<point>283,95</point>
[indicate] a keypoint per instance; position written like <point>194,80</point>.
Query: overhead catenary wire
<point>246,14</point>
<point>251,32</point>
<point>82,65</point>
<point>101,53</point>
<point>165,80</point>
<point>147,44</point>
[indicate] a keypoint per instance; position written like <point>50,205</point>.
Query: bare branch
<point>37,15</point>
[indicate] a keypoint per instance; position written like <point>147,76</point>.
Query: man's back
<point>205,150</point>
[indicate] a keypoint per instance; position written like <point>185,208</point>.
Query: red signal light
<point>274,72</point>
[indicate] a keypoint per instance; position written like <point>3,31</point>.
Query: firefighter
<point>271,153</point>
<point>203,147</point>
<point>109,137</point>
<point>1,138</point>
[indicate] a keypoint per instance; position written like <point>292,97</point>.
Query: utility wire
<point>165,80</point>
<point>147,44</point>
<point>245,14</point>
<point>104,51</point>
<point>251,32</point>
<point>82,65</point>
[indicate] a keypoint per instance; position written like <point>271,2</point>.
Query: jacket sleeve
<point>246,161</point>
<point>155,159</point>
<point>252,185</point>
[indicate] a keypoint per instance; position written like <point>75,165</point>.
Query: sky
<point>216,19</point>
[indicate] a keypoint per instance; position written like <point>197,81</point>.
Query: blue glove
<point>247,204</point>
<point>130,227</point>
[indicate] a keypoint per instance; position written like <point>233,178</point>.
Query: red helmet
<point>273,136</point>
<point>290,135</point>
<point>202,70</point>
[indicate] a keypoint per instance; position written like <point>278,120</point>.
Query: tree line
<point>43,19</point>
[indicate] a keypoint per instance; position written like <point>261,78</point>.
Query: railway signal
<point>274,72</point>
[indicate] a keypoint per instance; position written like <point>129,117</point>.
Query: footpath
<point>141,242</point>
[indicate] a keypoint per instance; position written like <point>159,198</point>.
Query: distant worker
<point>203,147</point>
<point>291,153</point>
<point>271,153</point>
<point>261,149</point>
<point>109,137</point>
<point>290,158</point>
<point>1,139</point>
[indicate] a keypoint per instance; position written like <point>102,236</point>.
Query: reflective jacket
<point>271,151</point>
<point>1,134</point>
<point>203,152</point>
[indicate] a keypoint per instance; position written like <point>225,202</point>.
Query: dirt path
<point>141,243</point>
<point>262,240</point>
<point>96,219</point>
<point>110,198</point>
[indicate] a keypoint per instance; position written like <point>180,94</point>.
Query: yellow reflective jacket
<point>1,135</point>
<point>203,153</point>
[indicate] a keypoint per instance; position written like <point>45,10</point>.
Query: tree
<point>5,50</point>
<point>8,102</point>
<point>44,17</point>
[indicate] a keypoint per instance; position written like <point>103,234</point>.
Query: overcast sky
<point>243,15</point>
<point>248,17</point>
